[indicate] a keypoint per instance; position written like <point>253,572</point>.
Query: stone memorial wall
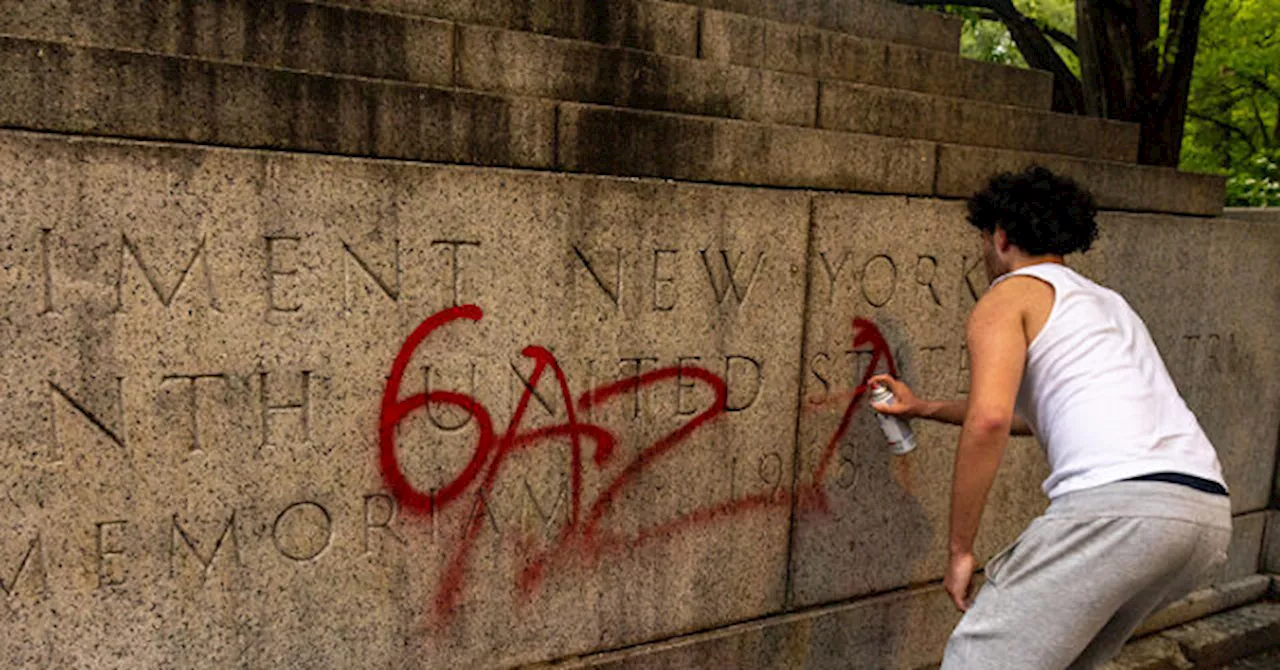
<point>520,380</point>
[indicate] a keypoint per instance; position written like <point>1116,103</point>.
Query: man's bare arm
<point>945,411</point>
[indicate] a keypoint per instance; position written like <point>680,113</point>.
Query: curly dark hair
<point>1040,212</point>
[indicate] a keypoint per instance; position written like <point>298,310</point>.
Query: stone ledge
<point>1229,636</point>
<point>873,19</point>
<point>651,25</point>
<point>760,43</point>
<point>963,170</point>
<point>895,113</point>
<point>648,144</point>
<point>103,92</point>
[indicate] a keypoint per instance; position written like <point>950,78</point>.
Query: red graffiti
<point>585,534</point>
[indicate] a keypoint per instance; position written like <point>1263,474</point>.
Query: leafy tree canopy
<point>1233,117</point>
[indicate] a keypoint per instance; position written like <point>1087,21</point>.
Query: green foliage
<point>988,40</point>
<point>1232,124</point>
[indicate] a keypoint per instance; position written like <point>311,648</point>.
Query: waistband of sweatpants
<point>1144,499</point>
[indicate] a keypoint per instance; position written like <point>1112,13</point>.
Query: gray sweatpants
<point>1080,579</point>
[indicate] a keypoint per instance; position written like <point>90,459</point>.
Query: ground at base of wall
<point>1246,638</point>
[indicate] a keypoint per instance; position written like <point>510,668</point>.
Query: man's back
<point>1097,394</point>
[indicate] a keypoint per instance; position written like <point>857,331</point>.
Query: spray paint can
<point>896,429</point>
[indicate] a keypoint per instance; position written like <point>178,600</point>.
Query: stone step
<point>739,39</point>
<point>962,170</point>
<point>896,113</point>
<point>319,37</point>
<point>505,61</point>
<point>326,40</point>
<point>874,19</point>
<point>715,150</point>
<point>87,90</point>
<point>673,27</point>
<point>1242,638</point>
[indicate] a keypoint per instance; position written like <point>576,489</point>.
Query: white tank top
<point>1097,394</point>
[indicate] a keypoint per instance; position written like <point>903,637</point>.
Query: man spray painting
<point>1138,512</point>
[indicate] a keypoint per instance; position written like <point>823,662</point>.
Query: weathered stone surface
<point>894,113</point>
<point>1207,601</point>
<point>1153,653</point>
<point>902,630</point>
<point>963,170</point>
<point>650,144</point>
<point>1243,556</point>
<point>875,521</point>
<point>1209,291</point>
<point>272,33</point>
<point>651,25</point>
<point>1271,544</point>
<point>880,521</point>
<point>872,19</point>
<point>196,344</point>
<point>1225,637</point>
<point>518,63</point>
<point>97,91</point>
<point>1264,661</point>
<point>787,47</point>
<point>1255,214</point>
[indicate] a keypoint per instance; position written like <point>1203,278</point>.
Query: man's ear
<point>1001,240</point>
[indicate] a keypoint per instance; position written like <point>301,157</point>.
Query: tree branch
<point>1062,38</point>
<point>1230,128</point>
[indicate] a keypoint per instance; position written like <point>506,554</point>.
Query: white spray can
<point>896,429</point>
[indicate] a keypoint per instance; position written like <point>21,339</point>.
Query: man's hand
<point>905,403</point>
<point>959,580</point>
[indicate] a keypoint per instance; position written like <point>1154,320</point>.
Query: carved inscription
<point>116,435</point>
<point>300,408</point>
<point>27,565</point>
<point>279,266</point>
<point>615,293</point>
<point>380,512</point>
<point>180,537</point>
<point>193,400</point>
<point>455,265</point>
<point>389,289</point>
<point>110,553</point>
<point>302,531</point>
<point>130,249</point>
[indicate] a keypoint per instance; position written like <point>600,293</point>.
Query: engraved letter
<point>926,270</point>
<point>107,548</point>
<point>392,291</point>
<point>33,550</point>
<point>967,280</point>
<point>206,564</point>
<point>531,501</point>
<point>682,384</point>
<point>729,361</point>
<point>454,246</point>
<point>118,435</point>
<point>166,298</point>
<point>832,274</point>
<point>826,385</point>
<point>639,363</point>
<point>662,280</point>
<point>721,290</point>
<point>194,404</point>
<point>886,295</point>
<point>274,270</point>
<point>298,550</point>
<point>615,295</point>
<point>431,407</point>
<point>388,518</point>
<point>303,407</point>
<point>46,267</point>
